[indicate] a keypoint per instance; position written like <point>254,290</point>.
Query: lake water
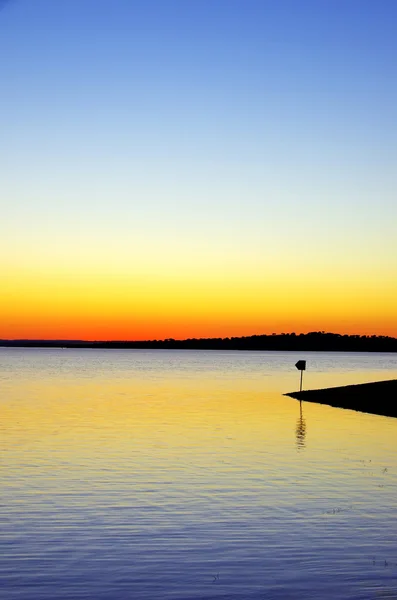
<point>188,475</point>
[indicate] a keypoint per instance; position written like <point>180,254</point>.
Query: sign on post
<point>301,366</point>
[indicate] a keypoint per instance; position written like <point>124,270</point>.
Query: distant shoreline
<point>376,398</point>
<point>304,342</point>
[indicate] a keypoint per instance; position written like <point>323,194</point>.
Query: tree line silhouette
<point>313,341</point>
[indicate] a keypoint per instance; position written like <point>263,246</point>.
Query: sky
<point>197,168</point>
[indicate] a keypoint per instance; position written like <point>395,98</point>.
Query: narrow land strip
<point>314,341</point>
<point>378,398</point>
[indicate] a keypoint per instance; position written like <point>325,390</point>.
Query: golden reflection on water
<point>174,413</point>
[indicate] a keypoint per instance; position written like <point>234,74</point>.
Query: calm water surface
<point>188,475</point>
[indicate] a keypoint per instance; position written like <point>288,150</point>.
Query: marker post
<point>301,366</point>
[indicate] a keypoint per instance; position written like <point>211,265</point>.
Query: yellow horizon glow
<point>56,301</point>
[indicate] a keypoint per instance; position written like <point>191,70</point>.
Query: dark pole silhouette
<point>301,366</point>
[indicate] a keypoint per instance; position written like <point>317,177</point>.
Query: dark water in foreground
<point>188,475</point>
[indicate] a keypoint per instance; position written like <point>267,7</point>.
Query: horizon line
<point>170,339</point>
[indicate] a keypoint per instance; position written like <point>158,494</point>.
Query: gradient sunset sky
<point>194,168</point>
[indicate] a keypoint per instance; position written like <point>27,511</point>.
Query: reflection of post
<point>300,430</point>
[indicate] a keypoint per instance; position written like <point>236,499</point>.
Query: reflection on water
<point>300,430</point>
<point>175,475</point>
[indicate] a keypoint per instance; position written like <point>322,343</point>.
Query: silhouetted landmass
<point>314,341</point>
<point>378,398</point>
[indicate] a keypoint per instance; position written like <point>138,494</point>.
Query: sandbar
<point>378,397</point>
